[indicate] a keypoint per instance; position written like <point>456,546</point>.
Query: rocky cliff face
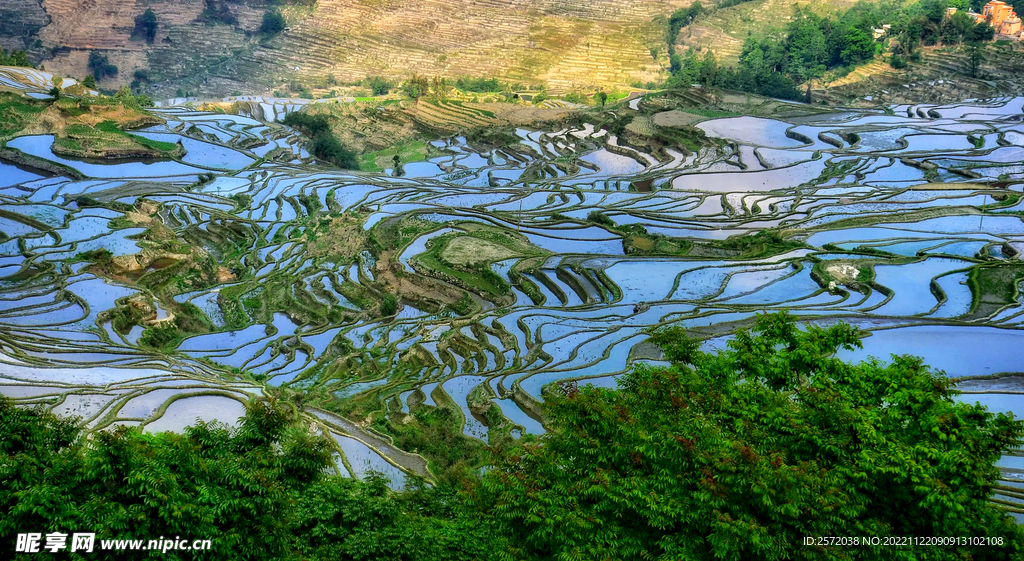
<point>563,43</point>
<point>20,22</point>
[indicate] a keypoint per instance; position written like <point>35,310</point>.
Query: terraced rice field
<point>905,223</point>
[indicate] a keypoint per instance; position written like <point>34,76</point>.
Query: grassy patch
<point>388,235</point>
<point>68,144</point>
<point>491,244</point>
<point>763,243</point>
<point>646,244</point>
<point>709,113</point>
<point>436,433</point>
<point>16,114</point>
<point>479,281</point>
<point>407,152</point>
<point>993,286</point>
<point>111,127</point>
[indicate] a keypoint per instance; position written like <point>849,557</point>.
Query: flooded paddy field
<point>152,294</point>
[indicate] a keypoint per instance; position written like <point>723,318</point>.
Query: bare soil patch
<point>676,118</point>
<point>842,272</point>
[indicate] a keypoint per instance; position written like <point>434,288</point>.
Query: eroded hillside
<point>562,43</point>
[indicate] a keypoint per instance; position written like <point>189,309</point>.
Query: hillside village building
<point>1001,16</point>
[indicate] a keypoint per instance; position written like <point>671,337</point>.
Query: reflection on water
<point>579,308</point>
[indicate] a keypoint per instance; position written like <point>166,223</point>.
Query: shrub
<point>273,22</point>
<point>217,11</point>
<point>145,26</point>
<point>16,58</point>
<point>388,306</point>
<point>574,97</point>
<point>100,66</point>
<point>478,85</point>
<point>597,217</point>
<point>378,85</point>
<point>323,144</point>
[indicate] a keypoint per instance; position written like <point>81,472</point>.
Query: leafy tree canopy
<point>145,25</point>
<point>323,144</point>
<point>741,454</point>
<point>16,58</point>
<point>378,85</point>
<point>735,455</point>
<point>273,22</point>
<point>100,66</point>
<point>811,44</point>
<point>259,491</point>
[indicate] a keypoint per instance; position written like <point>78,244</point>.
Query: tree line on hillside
<point>811,45</point>
<point>685,16</point>
<point>739,454</point>
<point>16,58</point>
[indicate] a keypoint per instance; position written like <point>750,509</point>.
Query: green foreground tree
<point>260,491</point>
<point>744,453</point>
<point>736,455</point>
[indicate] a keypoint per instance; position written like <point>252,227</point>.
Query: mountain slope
<point>564,44</point>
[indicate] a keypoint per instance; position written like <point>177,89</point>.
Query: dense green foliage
<point>812,45</point>
<point>765,242</point>
<point>258,492</point>
<point>478,85</point>
<point>323,143</point>
<point>388,305</point>
<point>100,66</point>
<point>598,217</point>
<point>273,22</point>
<point>125,96</point>
<point>438,87</point>
<point>685,16</point>
<point>418,86</point>
<point>735,455</point>
<point>378,85</point>
<point>678,20</point>
<point>236,486</point>
<point>741,454</point>
<point>16,58</point>
<point>217,11</point>
<point>145,25</point>
<point>926,23</point>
